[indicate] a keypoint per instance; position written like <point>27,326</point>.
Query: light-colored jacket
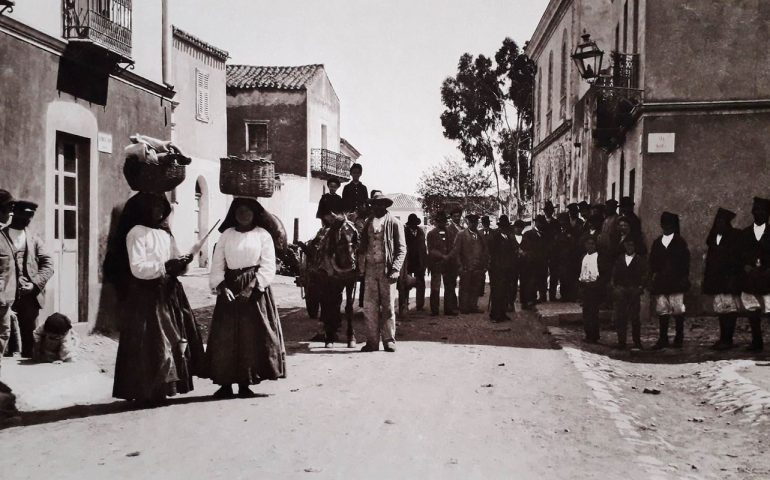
<point>395,244</point>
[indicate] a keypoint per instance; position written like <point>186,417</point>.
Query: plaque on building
<point>104,142</point>
<point>660,142</point>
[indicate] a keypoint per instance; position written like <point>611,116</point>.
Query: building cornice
<point>202,46</point>
<point>548,22</point>
<point>552,137</point>
<point>57,47</point>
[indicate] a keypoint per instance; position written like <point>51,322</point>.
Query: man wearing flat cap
<point>470,251</point>
<point>755,278</point>
<point>722,274</point>
<point>34,268</point>
<point>7,271</point>
<point>382,252</point>
<point>442,266</point>
<point>415,264</point>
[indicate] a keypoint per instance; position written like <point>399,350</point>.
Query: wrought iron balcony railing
<point>616,96</point>
<point>103,23</point>
<point>326,163</point>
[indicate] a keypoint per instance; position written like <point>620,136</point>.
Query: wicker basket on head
<point>250,176</point>
<point>153,172</point>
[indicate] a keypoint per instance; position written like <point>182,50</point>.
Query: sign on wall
<point>104,142</point>
<point>661,142</point>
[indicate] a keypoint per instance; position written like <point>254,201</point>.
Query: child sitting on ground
<point>55,341</point>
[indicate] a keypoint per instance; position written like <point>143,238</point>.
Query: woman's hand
<point>222,290</point>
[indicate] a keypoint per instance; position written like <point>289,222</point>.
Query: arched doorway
<point>202,218</point>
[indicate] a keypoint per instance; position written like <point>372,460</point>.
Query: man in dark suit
<point>535,251</point>
<point>442,266</point>
<point>550,231</point>
<point>502,260</point>
<point>755,261</point>
<point>415,264</point>
<point>34,268</point>
<point>7,271</point>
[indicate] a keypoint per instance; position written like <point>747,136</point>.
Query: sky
<point>385,58</point>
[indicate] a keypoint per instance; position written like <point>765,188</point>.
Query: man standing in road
<point>502,259</point>
<point>442,266</point>
<point>534,249</point>
<point>550,230</point>
<point>34,268</point>
<point>7,271</point>
<point>415,264</point>
<point>470,251</point>
<point>381,255</point>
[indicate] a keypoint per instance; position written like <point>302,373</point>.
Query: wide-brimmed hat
<point>548,205</point>
<point>762,202</point>
<point>6,198</point>
<point>503,221</point>
<point>573,208</point>
<point>413,220</point>
<point>724,214</point>
<point>627,202</point>
<point>583,204</point>
<point>24,207</point>
<point>520,223</point>
<point>379,199</point>
<point>611,203</point>
<point>472,217</point>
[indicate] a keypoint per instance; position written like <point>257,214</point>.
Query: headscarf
<point>262,218</point>
<point>672,219</point>
<point>722,213</point>
<point>136,211</point>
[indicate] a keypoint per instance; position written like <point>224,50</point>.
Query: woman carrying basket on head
<point>246,342</point>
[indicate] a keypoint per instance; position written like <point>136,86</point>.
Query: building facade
<point>79,77</point>
<point>405,205</point>
<point>677,120</point>
<point>200,131</point>
<point>292,115</point>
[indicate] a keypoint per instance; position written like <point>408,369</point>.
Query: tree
<point>489,113</point>
<point>452,181</point>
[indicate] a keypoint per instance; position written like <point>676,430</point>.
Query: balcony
<point>328,164</point>
<point>616,95</point>
<point>101,24</point>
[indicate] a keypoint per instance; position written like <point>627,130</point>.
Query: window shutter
<point>202,96</point>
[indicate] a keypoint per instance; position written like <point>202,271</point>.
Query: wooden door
<point>66,231</point>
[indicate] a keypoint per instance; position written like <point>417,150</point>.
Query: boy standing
<point>591,288</point>
<point>670,272</point>
<point>629,275</point>
<point>355,195</point>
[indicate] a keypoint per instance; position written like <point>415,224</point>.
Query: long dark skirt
<point>246,342</point>
<point>152,359</point>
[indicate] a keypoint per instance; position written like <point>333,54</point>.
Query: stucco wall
<point>719,160</point>
<point>286,114</point>
<point>553,172</point>
<point>707,50</point>
<point>323,108</point>
<point>290,201</point>
<point>28,139</point>
<point>632,161</point>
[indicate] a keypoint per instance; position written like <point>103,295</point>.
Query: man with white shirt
<point>381,255</point>
<point>670,278</point>
<point>34,268</point>
<point>591,289</point>
<point>722,274</point>
<point>755,261</point>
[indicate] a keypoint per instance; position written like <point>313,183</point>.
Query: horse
<point>334,269</point>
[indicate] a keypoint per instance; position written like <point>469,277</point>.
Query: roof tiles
<point>282,78</point>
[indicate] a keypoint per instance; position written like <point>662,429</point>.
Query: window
<point>617,37</point>
<point>625,27</point>
<point>323,136</point>
<point>563,84</point>
<point>635,31</point>
<point>622,176</point>
<point>537,107</point>
<point>613,190</point>
<point>632,183</point>
<point>550,92</point>
<point>256,136</point>
<point>201,95</point>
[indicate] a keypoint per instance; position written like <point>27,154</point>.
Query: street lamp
<point>588,58</point>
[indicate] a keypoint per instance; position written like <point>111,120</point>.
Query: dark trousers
<point>534,281</point>
<point>500,288</point>
<point>755,321</point>
<point>554,276</point>
<point>592,294</point>
<point>5,328</point>
<point>331,302</point>
<point>403,294</point>
<point>727,328</point>
<point>626,305</point>
<point>513,287</point>
<point>469,290</point>
<point>663,322</point>
<point>449,277</point>
<point>27,310</point>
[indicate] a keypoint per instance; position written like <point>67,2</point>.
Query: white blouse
<point>148,251</point>
<point>236,250</point>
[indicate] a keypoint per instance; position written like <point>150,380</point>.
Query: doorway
<point>71,225</point>
<point>202,219</point>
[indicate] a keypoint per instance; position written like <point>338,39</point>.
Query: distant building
<point>70,103</point>
<point>200,130</point>
<point>292,114</point>
<point>349,150</point>
<point>404,205</point>
<point>668,122</point>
